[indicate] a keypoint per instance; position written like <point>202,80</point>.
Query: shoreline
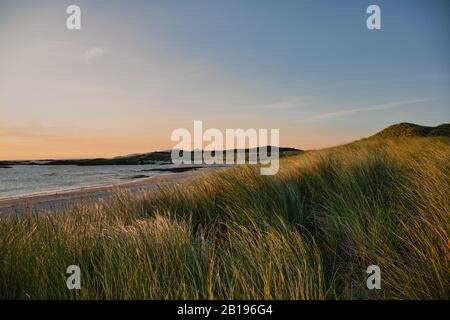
<point>60,199</point>
<point>79,189</point>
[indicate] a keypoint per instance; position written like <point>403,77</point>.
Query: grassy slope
<point>406,129</point>
<point>307,233</point>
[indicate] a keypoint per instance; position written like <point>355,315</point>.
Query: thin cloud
<point>378,107</point>
<point>284,104</point>
<point>94,53</point>
<point>69,50</point>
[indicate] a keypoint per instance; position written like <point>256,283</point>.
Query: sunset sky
<point>137,70</point>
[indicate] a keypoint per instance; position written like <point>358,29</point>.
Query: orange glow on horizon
<point>41,148</point>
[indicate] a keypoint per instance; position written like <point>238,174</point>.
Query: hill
<point>160,156</point>
<point>406,129</point>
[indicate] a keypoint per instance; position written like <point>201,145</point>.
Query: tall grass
<point>307,233</point>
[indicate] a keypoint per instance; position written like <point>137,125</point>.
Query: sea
<point>24,180</point>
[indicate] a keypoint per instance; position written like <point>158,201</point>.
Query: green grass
<point>307,233</point>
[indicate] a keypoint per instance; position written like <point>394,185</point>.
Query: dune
<point>309,232</point>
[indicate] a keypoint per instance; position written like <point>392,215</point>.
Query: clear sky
<point>137,70</point>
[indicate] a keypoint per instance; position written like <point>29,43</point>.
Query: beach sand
<point>63,199</point>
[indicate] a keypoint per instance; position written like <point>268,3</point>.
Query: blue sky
<point>139,69</point>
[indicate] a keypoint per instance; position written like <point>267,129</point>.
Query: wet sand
<point>55,200</point>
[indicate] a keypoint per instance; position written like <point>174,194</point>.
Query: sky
<point>138,70</point>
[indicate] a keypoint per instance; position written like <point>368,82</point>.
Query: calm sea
<point>33,179</point>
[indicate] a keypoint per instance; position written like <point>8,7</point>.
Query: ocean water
<point>23,180</point>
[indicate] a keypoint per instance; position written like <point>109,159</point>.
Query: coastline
<point>60,199</point>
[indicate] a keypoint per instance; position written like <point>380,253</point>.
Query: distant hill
<point>157,157</point>
<point>406,129</point>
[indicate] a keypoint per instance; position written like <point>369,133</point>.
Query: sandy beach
<point>55,200</point>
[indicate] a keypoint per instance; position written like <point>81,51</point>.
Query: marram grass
<point>307,233</point>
